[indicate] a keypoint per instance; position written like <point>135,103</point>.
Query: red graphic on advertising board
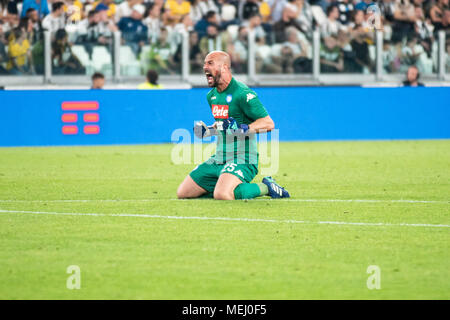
<point>80,110</point>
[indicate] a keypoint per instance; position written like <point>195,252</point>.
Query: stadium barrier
<point>121,66</point>
<point>97,117</point>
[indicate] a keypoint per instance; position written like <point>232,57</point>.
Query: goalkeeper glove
<point>201,130</point>
<point>232,124</point>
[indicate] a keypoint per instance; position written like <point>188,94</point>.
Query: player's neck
<point>223,85</point>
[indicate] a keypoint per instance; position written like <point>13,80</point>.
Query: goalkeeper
<point>239,115</point>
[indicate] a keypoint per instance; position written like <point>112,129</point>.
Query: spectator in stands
<point>88,32</point>
<point>110,5</point>
<point>134,32</point>
<point>105,26</point>
<point>263,58</point>
<point>276,9</point>
<point>264,11</point>
<point>3,54</point>
<point>202,25</point>
<point>345,8</point>
<point>447,61</point>
<point>152,81</point>
<point>64,61</point>
<point>423,27</point>
<point>184,26</point>
<point>331,57</point>
<point>74,11</point>
<point>19,53</point>
<point>40,6</point>
<point>411,52</point>
<point>176,9</point>
<point>98,80</point>
<point>288,19</point>
<point>294,53</point>
<point>9,15</point>
<point>250,8</point>
<point>32,14</point>
<point>37,53</point>
<point>56,19</point>
<point>293,6</point>
<point>363,5</point>
<point>228,14</point>
<point>305,17</point>
<point>358,25</point>
<point>199,8</point>
<point>412,78</point>
<point>424,33</point>
<point>361,49</point>
<point>96,30</point>
<point>210,43</point>
<point>254,24</point>
<point>389,58</point>
<point>160,57</point>
<point>332,25</point>
<point>153,22</point>
<point>239,51</point>
<point>195,55</point>
<point>123,10</point>
<point>438,15</point>
<point>387,8</point>
<point>27,26</point>
<point>404,20</point>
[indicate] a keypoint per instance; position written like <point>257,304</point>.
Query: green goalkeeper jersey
<point>241,103</point>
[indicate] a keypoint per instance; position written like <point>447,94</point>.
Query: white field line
<point>228,219</point>
<point>283,200</point>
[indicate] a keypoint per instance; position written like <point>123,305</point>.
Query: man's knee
<point>189,189</point>
<point>181,193</point>
<point>220,194</point>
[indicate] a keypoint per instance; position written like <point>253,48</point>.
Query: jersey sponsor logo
<point>220,111</point>
<point>250,96</point>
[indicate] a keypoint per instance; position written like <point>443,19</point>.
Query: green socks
<point>250,190</point>
<point>245,191</point>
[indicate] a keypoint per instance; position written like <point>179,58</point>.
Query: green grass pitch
<point>318,245</point>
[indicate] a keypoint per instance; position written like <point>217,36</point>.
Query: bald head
<point>220,57</point>
<point>217,69</point>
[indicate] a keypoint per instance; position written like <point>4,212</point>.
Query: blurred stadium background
<point>47,43</point>
<point>326,70</point>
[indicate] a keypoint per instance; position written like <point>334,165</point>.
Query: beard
<point>216,78</point>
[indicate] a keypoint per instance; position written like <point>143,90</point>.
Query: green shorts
<point>207,173</point>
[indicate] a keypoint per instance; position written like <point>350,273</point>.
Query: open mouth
<point>209,77</point>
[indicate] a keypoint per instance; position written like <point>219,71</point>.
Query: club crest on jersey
<point>220,111</point>
<point>229,98</point>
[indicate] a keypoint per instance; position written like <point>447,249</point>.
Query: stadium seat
<point>101,60</point>
<point>80,52</point>
<point>129,65</point>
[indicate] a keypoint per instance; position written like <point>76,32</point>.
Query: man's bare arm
<point>262,124</point>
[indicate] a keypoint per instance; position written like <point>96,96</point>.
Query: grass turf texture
<point>157,258</point>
